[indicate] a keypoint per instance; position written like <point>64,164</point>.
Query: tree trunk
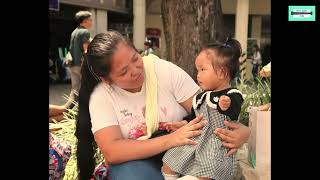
<point>188,26</point>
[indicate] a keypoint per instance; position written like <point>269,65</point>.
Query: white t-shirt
<point>111,105</point>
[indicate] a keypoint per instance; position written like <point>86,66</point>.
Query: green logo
<point>302,13</point>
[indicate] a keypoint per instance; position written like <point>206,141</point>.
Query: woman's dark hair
<point>96,64</point>
<point>228,55</point>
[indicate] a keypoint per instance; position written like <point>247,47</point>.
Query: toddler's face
<point>208,78</point>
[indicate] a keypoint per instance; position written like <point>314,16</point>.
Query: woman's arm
<point>187,105</point>
<point>117,150</point>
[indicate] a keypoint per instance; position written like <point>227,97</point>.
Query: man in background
<point>79,42</point>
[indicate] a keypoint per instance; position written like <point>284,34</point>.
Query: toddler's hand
<point>224,102</point>
<point>172,126</point>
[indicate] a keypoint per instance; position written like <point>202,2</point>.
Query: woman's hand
<point>182,135</point>
<point>233,138</point>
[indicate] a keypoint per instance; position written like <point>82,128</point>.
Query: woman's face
<point>127,70</point>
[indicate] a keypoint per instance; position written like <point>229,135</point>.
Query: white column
<point>241,34</point>
<point>101,21</point>
<point>242,14</point>
<point>256,28</point>
<point>93,29</point>
<point>139,23</point>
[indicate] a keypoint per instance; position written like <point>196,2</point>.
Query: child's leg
<point>188,177</point>
<point>166,169</point>
<point>203,178</point>
<point>168,174</point>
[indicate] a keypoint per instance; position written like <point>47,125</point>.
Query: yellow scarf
<point>151,113</point>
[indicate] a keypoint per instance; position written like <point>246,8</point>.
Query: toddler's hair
<point>228,54</point>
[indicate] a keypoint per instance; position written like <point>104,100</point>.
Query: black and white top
<point>207,158</point>
<point>232,112</point>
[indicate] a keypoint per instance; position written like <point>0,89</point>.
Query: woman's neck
<point>134,90</point>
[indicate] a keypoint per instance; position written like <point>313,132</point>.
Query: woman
<point>266,70</point>
<point>256,60</point>
<point>112,109</point>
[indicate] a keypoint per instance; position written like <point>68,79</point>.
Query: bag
<point>101,172</point>
<point>259,143</point>
<point>59,154</point>
<point>67,61</point>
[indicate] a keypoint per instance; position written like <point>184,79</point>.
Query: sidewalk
<point>56,93</point>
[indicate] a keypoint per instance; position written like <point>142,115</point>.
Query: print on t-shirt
<point>135,123</point>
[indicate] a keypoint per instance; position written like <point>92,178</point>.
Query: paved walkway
<point>56,93</point>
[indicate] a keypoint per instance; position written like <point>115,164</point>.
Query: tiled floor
<point>56,92</point>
